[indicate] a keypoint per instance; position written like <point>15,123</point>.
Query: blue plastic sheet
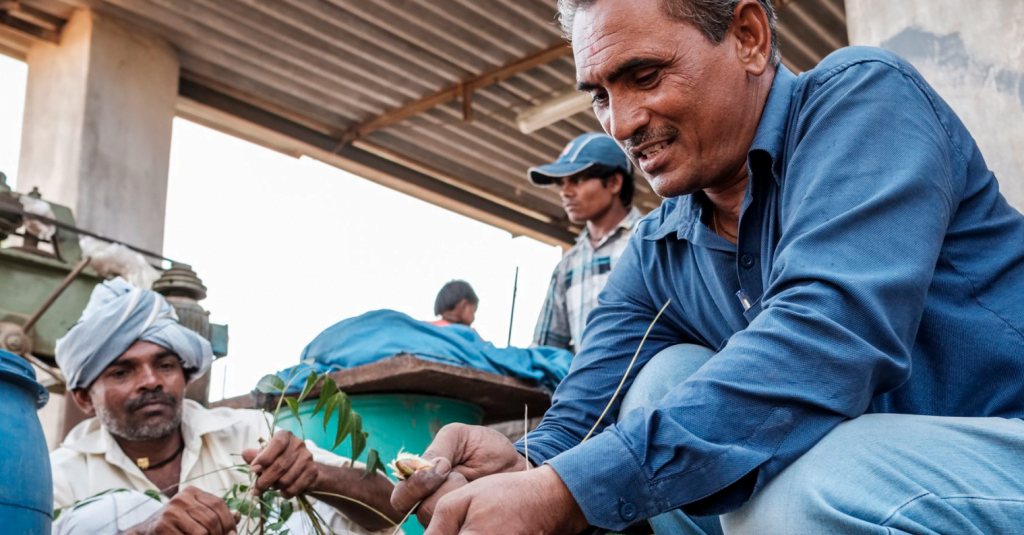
<point>381,334</point>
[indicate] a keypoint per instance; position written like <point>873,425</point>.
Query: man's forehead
<point>606,29</point>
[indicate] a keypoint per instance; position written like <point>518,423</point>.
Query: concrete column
<point>972,52</point>
<point>97,127</point>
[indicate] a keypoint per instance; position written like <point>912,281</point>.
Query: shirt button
<point>627,511</point>
<point>747,261</point>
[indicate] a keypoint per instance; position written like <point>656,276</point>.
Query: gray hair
<point>711,17</point>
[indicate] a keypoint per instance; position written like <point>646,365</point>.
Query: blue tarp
<point>381,334</point>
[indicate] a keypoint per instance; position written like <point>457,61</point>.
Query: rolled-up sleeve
<point>868,193</point>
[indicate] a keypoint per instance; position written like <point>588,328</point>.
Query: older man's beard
<point>122,428</point>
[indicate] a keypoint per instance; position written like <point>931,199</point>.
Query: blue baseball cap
<point>580,154</point>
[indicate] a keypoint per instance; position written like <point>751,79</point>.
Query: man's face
<point>139,396</point>
<point>681,106</point>
<point>465,312</point>
<point>586,198</point>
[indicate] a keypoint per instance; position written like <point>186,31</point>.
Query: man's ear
<point>614,183</point>
<point>83,399</point>
<point>753,36</point>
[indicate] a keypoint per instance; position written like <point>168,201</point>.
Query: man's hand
<point>190,512</point>
<point>528,503</point>
<point>461,454</point>
<point>285,464</point>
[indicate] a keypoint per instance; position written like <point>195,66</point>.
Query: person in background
<point>127,361</point>
<point>595,181</point>
<point>456,303</point>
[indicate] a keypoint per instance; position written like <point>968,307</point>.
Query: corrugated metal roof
<point>330,66</point>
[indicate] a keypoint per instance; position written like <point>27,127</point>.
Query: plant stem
<point>353,500</point>
<point>407,515</point>
<point>625,375</point>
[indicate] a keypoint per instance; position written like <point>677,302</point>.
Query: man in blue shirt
<point>843,348</point>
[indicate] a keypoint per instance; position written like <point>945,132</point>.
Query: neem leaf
<point>270,384</point>
<point>310,383</point>
<point>344,419</point>
<point>286,511</point>
<point>155,494</point>
<point>293,404</point>
<point>326,392</point>
<point>329,411</point>
<point>373,464</point>
<point>358,436</point>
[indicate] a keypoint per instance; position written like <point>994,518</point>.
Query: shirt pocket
<point>753,311</point>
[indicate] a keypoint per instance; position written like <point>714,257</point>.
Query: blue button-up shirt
<point>885,272</point>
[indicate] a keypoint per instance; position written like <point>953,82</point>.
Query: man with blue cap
<point>595,181</point>
<point>127,361</point>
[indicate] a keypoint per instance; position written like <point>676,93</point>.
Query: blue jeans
<point>879,473</point>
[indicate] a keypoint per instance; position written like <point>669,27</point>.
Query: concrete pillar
<point>97,127</point>
<point>972,52</point>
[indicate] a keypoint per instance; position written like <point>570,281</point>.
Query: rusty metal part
<point>56,293</point>
<point>13,338</point>
<point>180,281</point>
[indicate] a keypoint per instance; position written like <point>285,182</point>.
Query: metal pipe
<point>56,293</point>
<point>71,228</point>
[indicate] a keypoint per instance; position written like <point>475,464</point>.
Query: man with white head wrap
<point>128,361</point>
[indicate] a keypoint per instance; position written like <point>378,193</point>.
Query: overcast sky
<point>289,247</point>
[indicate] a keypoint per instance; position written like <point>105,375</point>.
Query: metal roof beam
<point>305,140</point>
<point>459,90</point>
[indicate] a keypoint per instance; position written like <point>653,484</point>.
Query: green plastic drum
<point>395,422</point>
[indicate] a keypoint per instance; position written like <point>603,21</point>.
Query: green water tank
<point>395,422</point>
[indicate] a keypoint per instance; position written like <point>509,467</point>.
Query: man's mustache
<point>146,398</point>
<point>649,134</point>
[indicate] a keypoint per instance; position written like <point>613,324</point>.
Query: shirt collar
<point>627,223</point>
<point>679,214</point>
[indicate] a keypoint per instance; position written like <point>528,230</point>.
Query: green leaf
<point>345,420</point>
<point>233,503</point>
<point>310,383</point>
<point>276,526</point>
<point>373,464</point>
<point>286,511</point>
<point>293,404</point>
<point>332,404</point>
<point>270,384</point>
<point>358,436</point>
<point>57,512</point>
<point>327,391</point>
<point>155,494</point>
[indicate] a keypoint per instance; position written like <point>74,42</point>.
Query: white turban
<point>117,316</point>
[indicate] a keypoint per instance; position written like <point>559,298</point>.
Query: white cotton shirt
<point>90,461</point>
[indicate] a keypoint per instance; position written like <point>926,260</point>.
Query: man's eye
<point>647,78</point>
<point>119,373</point>
<point>598,98</point>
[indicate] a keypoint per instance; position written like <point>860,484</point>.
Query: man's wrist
<point>561,500</point>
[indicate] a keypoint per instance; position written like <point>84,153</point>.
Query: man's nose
<point>624,117</point>
<point>149,379</point>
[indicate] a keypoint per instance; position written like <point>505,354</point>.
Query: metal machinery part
<point>183,289</point>
<point>41,273</point>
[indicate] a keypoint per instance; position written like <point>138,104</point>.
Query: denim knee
<point>668,368</point>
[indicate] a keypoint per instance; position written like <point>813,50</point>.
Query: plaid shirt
<point>578,278</point>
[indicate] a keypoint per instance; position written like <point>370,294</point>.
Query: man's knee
<point>664,371</point>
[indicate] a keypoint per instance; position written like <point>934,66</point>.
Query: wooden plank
<point>451,93</point>
<point>502,398</point>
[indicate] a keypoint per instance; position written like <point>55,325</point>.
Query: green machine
<point>46,281</point>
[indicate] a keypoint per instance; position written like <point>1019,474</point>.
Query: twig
<point>407,515</point>
<point>526,434</point>
<point>625,375</point>
<point>353,500</point>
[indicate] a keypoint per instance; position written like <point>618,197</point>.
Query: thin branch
<point>625,375</point>
<point>353,500</point>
